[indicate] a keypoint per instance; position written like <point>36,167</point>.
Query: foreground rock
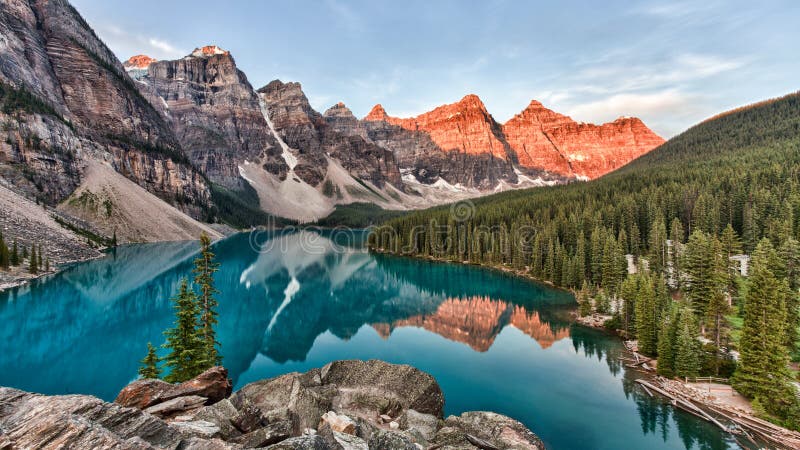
<point>346,405</point>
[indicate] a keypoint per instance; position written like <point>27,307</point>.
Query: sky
<point>671,63</point>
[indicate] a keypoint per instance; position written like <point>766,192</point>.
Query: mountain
<point>737,169</point>
<point>544,138</point>
<point>195,134</point>
<point>538,141</point>
<point>68,104</point>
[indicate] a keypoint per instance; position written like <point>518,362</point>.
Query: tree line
<point>191,343</point>
<point>17,254</point>
<point>726,186</point>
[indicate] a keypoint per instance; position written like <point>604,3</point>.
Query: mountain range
<point>151,149</point>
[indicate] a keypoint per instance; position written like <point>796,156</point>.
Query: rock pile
<point>346,405</point>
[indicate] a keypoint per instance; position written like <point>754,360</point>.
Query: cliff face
<point>464,138</point>
<point>546,139</point>
<point>214,113</point>
<point>79,104</point>
<point>337,134</point>
<point>460,143</point>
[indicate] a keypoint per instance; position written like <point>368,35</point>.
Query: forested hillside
<point>726,186</point>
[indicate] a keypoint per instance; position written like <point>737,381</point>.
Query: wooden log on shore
<point>742,424</point>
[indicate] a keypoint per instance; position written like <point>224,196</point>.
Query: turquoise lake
<point>294,301</point>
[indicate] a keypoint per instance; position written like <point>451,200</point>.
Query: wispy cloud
<point>126,43</point>
<point>345,15</point>
<point>679,69</point>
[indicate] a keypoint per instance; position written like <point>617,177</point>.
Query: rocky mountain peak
<point>537,114</point>
<point>339,110</point>
<point>138,62</point>
<point>376,113</point>
<point>208,50</point>
<point>471,101</point>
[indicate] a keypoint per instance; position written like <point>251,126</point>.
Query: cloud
<point>346,15</point>
<point>164,46</point>
<point>680,69</point>
<point>614,106</point>
<point>125,43</point>
<point>664,111</point>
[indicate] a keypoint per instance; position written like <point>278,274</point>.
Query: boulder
<point>347,405</point>
<point>487,430</point>
<point>173,407</point>
<point>390,440</point>
<point>212,384</point>
<point>220,414</point>
<point>339,422</point>
<point>350,442</point>
<point>78,421</point>
<point>383,387</point>
<point>307,442</point>
<point>425,424</point>
<point>268,435</point>
<point>197,428</point>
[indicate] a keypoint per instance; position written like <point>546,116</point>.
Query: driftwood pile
<point>731,419</point>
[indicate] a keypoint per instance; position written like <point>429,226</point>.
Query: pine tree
<point>658,245</point>
<point>667,338</point>
<point>646,316</point>
<point>187,356</point>
<point>763,372</point>
<point>731,244</point>
<point>717,303</point>
<point>149,367</point>
<point>764,357</point>
<point>47,265</point>
<point>789,254</point>
<point>14,255</point>
<point>629,290</point>
<point>39,261</point>
<point>204,269</point>
<point>33,266</point>
<point>5,255</point>
<point>584,300</point>
<point>687,347</point>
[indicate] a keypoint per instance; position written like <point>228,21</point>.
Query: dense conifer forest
<point>651,245</point>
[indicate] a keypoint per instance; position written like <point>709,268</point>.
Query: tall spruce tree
<point>717,303</point>
<point>647,315</point>
<point>33,263</point>
<point>15,254</point>
<point>204,269</point>
<point>762,367</point>
<point>667,338</point>
<point>187,350</point>
<point>149,367</point>
<point>687,347</point>
<point>5,255</point>
<point>763,372</point>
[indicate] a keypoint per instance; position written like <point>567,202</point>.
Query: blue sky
<point>670,63</point>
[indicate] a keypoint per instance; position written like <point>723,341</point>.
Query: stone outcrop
<point>213,385</point>
<point>350,405</point>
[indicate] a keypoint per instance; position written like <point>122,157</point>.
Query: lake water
<point>294,301</point>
